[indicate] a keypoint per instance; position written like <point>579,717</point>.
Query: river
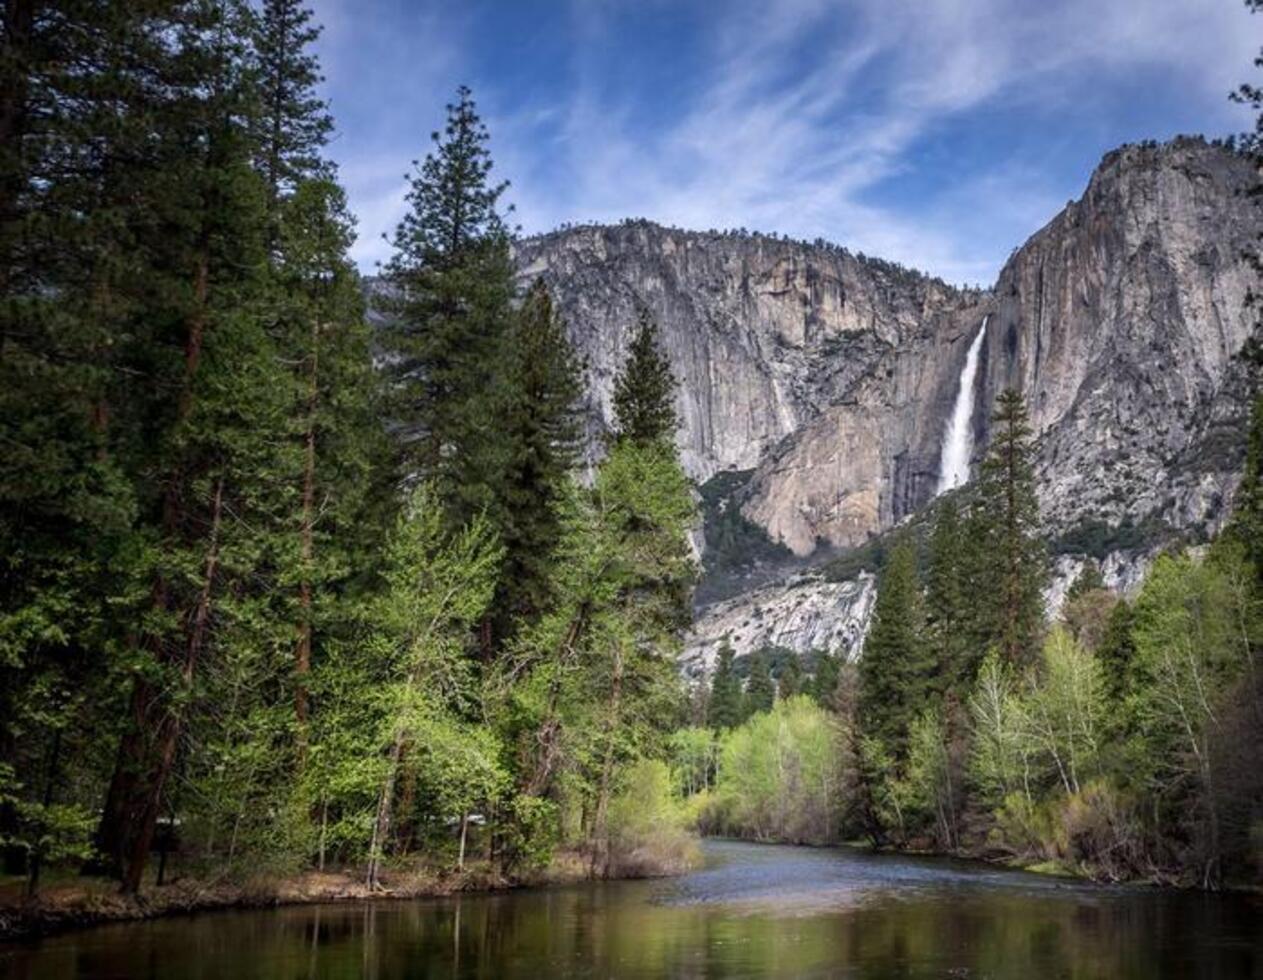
<point>752,910</point>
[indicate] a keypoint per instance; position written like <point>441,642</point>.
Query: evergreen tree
<point>644,392</point>
<point>947,611</point>
<point>320,328</point>
<point>292,123</point>
<point>1247,519</point>
<point>78,165</point>
<point>450,283</point>
<point>790,680</point>
<point>896,670</point>
<point>218,412</point>
<point>1117,649</point>
<point>725,709</point>
<point>540,430</point>
<point>824,683</point>
<point>760,689</point>
<point>1246,523</point>
<point>1015,562</point>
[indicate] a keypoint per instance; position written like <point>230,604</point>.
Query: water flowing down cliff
<point>958,438</point>
<point>827,375</point>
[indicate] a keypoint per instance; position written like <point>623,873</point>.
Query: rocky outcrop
<point>803,615</point>
<point>1121,321</point>
<point>824,371</point>
<point>832,375</point>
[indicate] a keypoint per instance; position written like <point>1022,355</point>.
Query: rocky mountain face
<point>826,378</point>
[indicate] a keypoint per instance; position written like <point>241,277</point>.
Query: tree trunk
<point>324,830</point>
<point>381,825</point>
<point>123,813</point>
<point>600,823</point>
<point>548,734</point>
<point>168,732</point>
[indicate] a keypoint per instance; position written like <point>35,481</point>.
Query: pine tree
<point>292,123</point>
<point>1117,649</point>
<point>540,431</point>
<point>760,689</point>
<point>1014,559</point>
<point>790,681</point>
<point>644,392</point>
<point>319,327</point>
<point>724,709</point>
<point>218,412</point>
<point>824,682</point>
<point>1247,518</point>
<point>947,612</point>
<point>896,669</point>
<point>450,284</point>
<point>76,160</point>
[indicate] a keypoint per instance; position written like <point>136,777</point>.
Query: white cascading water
<point>958,440</point>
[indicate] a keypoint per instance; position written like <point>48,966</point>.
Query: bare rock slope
<point>830,375</point>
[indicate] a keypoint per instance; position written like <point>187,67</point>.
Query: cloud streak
<point>939,134</point>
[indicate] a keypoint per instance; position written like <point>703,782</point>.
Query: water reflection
<point>753,911</point>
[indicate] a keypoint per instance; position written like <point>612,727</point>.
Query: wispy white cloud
<point>811,117</point>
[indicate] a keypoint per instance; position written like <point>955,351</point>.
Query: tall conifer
<point>896,669</point>
<point>539,430</point>
<point>644,393</point>
<point>450,283</point>
<point>1012,550</point>
<point>724,709</point>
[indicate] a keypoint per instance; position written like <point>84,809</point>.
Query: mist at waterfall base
<point>958,439</point>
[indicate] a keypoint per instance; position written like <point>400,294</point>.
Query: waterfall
<point>958,439</point>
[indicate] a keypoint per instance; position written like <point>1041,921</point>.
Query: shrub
<point>647,824</point>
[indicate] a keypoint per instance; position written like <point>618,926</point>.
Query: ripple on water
<point>797,880</point>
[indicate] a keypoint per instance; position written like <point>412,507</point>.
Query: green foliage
<point>760,691</point>
<point>1116,649</point>
<point>725,708</point>
<point>647,822</point>
<point>948,611</point>
<point>1098,538</point>
<point>1005,532</point>
<point>895,670</point>
<point>790,680</point>
<point>644,391</point>
<point>930,781</point>
<point>540,429</point>
<point>1088,580</point>
<point>999,761</point>
<point>778,778</point>
<point>737,550</point>
<point>824,681</point>
<point>292,123</point>
<point>1064,712</point>
<point>450,285</point>
<point>693,754</point>
<point>531,833</point>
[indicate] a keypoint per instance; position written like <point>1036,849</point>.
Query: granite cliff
<point>817,383</point>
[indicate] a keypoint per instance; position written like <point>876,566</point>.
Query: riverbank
<point>751,910</point>
<point>77,903</point>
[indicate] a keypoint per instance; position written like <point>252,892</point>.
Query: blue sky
<point>938,133</point>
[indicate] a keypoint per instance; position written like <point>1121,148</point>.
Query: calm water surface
<point>752,911</point>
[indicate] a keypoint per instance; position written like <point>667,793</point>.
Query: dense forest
<point>281,591</point>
